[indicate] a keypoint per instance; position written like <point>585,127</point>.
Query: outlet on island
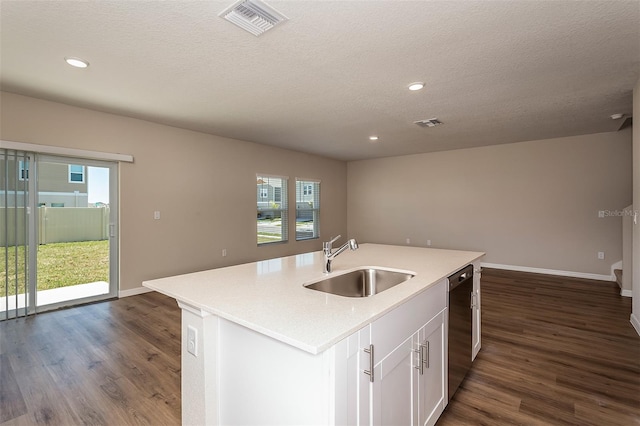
<point>192,340</point>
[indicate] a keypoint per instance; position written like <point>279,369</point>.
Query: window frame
<point>282,209</point>
<point>302,196</point>
<point>83,173</point>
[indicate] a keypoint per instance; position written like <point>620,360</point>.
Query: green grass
<point>264,237</point>
<point>60,265</point>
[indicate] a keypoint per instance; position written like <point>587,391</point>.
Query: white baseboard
<point>617,265</point>
<point>550,272</point>
<point>635,323</point>
<point>133,291</point>
<point>626,293</point>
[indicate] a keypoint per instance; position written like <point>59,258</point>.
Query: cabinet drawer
<point>395,327</point>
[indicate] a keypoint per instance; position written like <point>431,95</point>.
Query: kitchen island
<point>258,347</point>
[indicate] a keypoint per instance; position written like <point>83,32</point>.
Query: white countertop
<point>269,296</point>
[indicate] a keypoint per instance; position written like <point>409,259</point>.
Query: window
<point>307,209</point>
<point>272,223</point>
<point>23,170</point>
<point>76,173</point>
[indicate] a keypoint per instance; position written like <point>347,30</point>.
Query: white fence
<point>58,224</point>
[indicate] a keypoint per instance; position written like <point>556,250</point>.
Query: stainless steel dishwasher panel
<point>460,327</point>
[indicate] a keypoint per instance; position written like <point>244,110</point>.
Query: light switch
<point>156,215</point>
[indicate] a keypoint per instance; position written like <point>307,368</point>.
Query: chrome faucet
<point>329,255</point>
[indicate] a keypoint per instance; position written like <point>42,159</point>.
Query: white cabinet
<point>476,312</point>
<point>430,381</point>
<point>354,382</point>
<point>249,378</point>
<point>408,385</point>
<point>392,389</point>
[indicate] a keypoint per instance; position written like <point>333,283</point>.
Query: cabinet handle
<point>424,360</point>
<point>419,367</point>
<point>369,372</point>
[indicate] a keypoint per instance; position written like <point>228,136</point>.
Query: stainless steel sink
<point>361,283</point>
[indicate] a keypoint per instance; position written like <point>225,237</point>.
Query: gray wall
<point>203,185</point>
<point>531,204</point>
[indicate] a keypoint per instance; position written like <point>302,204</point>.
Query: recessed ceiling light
<point>373,138</point>
<point>416,86</point>
<point>617,116</point>
<point>76,62</point>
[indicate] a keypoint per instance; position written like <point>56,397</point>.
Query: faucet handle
<point>334,239</point>
<point>327,245</point>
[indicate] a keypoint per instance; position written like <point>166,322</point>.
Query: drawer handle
<point>369,372</point>
<point>423,351</point>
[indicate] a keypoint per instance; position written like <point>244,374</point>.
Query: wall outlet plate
<point>192,340</point>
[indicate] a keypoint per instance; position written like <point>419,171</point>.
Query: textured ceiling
<point>337,71</point>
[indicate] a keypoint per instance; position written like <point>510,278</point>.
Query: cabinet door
<point>476,321</point>
<point>359,406</point>
<point>430,381</point>
<point>392,387</point>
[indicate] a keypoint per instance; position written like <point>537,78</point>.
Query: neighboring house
<point>305,193</point>
<point>268,194</point>
<point>59,184</point>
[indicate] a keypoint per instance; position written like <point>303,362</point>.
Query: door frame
<point>113,234</point>
<point>84,154</point>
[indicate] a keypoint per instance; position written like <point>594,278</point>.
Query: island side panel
<point>200,370</point>
<point>265,381</point>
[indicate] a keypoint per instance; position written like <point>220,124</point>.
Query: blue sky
<point>98,185</point>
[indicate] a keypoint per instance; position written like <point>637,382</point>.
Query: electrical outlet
<point>601,255</point>
<point>428,243</point>
<point>192,340</point>
<point>156,215</point>
<point>408,240</point>
<point>224,252</point>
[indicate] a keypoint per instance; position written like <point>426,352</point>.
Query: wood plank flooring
<point>555,351</point>
<point>109,363</point>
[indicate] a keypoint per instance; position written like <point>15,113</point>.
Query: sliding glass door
<point>60,221</point>
<point>15,294</point>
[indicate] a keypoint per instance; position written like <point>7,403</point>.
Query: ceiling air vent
<point>253,16</point>
<point>432,122</point>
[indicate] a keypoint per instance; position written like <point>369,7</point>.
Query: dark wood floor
<point>555,351</point>
<point>109,363</point>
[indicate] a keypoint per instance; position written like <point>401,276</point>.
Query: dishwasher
<point>460,327</point>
